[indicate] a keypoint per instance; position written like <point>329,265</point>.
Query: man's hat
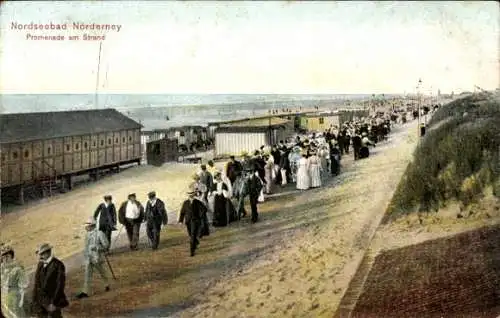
<point>191,189</point>
<point>6,249</point>
<point>90,221</point>
<point>45,247</point>
<point>108,197</point>
<point>132,195</point>
<point>151,194</point>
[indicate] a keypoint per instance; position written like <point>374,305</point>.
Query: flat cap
<point>151,194</point>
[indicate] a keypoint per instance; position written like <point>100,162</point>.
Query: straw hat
<point>45,247</point>
<point>191,189</point>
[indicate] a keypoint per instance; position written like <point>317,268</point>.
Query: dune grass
<point>457,159</point>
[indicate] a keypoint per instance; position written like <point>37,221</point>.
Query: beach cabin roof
<point>253,125</point>
<point>22,127</point>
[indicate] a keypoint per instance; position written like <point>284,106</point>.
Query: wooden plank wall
<point>30,161</point>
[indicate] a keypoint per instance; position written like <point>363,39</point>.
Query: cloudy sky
<point>253,47</point>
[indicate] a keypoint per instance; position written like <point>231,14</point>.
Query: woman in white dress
<point>303,179</point>
<point>268,168</point>
<point>315,170</point>
<point>323,157</point>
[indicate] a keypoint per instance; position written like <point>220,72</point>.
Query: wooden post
<point>69,181</point>
<point>21,195</point>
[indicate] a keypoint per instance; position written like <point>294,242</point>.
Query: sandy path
<point>308,269</point>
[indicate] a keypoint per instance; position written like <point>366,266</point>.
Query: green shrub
<point>456,160</point>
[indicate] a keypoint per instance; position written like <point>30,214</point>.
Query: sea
<point>161,111</point>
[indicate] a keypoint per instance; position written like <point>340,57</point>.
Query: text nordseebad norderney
<point>51,30</point>
<point>66,26</point>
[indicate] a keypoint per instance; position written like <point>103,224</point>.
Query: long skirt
<point>334,165</point>
<point>303,179</point>
<point>315,173</point>
<point>364,152</point>
<point>10,304</point>
<point>283,176</point>
<point>232,215</point>
<point>269,180</point>
<point>220,211</point>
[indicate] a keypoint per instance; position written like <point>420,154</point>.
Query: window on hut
<point>77,146</point>
<point>14,155</point>
<point>26,154</point>
<point>182,134</point>
<point>129,138</point>
<point>4,158</point>
<point>102,143</point>
<point>117,140</point>
<point>123,140</point>
<point>86,145</point>
<point>68,147</point>
<point>109,141</point>
<point>321,120</point>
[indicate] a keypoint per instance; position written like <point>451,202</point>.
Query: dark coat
<point>234,170</point>
<point>123,209</point>
<point>107,216</point>
<point>156,214</point>
<point>254,186</point>
<point>49,285</point>
<point>192,212</point>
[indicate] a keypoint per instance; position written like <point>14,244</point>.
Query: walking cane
<point>109,265</point>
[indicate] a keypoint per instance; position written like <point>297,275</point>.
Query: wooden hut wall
<point>29,161</point>
<point>233,143</point>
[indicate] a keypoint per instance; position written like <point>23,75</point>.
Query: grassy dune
<point>457,160</point>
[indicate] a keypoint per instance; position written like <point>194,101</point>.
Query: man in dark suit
<point>131,215</point>
<point>191,215</point>
<point>254,187</point>
<point>155,216</point>
<point>105,217</point>
<point>50,279</point>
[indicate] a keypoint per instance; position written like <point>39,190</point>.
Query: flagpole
<point>97,79</point>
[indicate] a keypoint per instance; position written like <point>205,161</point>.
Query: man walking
<point>131,215</point>
<point>96,244</point>
<point>105,217</point>
<point>207,180</point>
<point>254,187</point>
<point>50,280</point>
<point>155,216</point>
<point>191,215</point>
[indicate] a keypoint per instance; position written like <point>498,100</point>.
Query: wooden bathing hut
<point>319,122</point>
<point>45,150</point>
<point>161,151</point>
<point>231,138</point>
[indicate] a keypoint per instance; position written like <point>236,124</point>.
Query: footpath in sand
<point>305,274</point>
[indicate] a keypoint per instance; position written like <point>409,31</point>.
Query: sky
<point>252,47</point>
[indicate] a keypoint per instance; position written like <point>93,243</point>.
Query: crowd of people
<point>215,198</point>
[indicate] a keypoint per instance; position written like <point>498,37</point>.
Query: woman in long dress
<point>323,155</point>
<point>14,283</point>
<point>303,178</point>
<point>315,170</point>
<point>220,215</point>
<point>268,169</point>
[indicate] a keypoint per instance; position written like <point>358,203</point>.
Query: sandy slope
<point>308,271</point>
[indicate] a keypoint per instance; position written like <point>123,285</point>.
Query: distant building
<point>49,147</point>
<point>319,122</point>
<point>231,138</point>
